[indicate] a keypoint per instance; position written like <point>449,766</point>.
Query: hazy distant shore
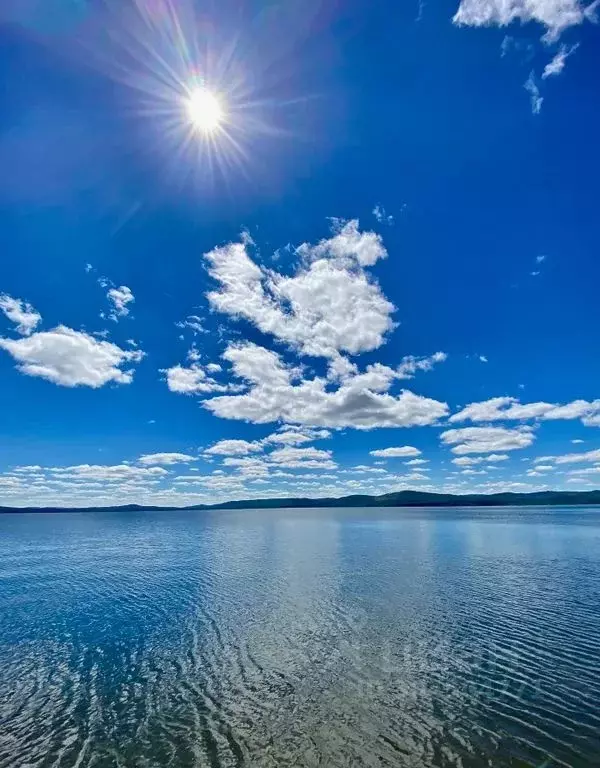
<point>400,499</point>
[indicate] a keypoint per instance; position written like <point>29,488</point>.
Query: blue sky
<point>379,271</point>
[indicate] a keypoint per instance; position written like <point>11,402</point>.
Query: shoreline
<point>406,499</point>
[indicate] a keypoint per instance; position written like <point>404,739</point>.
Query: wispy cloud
<point>19,312</point>
<point>382,216</point>
<point>532,89</point>
<point>556,66</point>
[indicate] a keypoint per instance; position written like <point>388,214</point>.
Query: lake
<point>333,637</point>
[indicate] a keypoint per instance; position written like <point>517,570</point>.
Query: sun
<point>204,110</point>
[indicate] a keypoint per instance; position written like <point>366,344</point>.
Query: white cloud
<point>487,439</point>
<point>19,312</point>
<point>233,448</point>
<point>315,458</point>
<point>510,409</point>
<point>400,451</point>
<point>193,354</point>
<point>288,435</point>
<point>293,435</point>
<point>498,408</point>
<point>193,322</point>
<point>362,468</point>
<point>584,470</point>
<point>532,89</point>
<point>483,358</point>
<point>577,442</point>
<point>593,420</point>
<point>555,15</point>
<point>588,412</point>
<point>105,472</point>
<point>555,67</point>
<point>348,243</point>
<point>412,477</point>
<point>410,365</point>
<point>361,401</point>
<point>153,459</point>
<point>329,305</point>
<point>572,458</point>
<point>382,217</point>
<point>467,461</point>
<point>248,467</point>
<point>540,259</point>
<point>71,358</point>
<point>416,462</point>
<point>120,298</point>
<point>192,380</point>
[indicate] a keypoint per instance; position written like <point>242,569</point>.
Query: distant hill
<point>399,499</point>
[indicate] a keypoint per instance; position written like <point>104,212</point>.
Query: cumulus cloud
<point>289,434</point>
<point>154,459</point>
<point>411,365</point>
<point>584,470</point>
<point>104,472</point>
<point>554,15</point>
<point>363,468</point>
<point>193,322</point>
<point>329,306</point>
<point>487,439</point>
<point>248,466</point>
<point>397,452</point>
<point>571,458</point>
<point>348,244</point>
<point>234,448</point>
<point>289,457</point>
<point>192,380</point>
<point>71,358</point>
<point>315,458</point>
<point>119,298</point>
<point>467,461</point>
<point>510,409</point>
<point>19,312</point>
<point>556,66</point>
<point>592,420</point>
<point>276,392</point>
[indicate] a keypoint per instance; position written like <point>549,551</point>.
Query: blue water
<point>300,638</point>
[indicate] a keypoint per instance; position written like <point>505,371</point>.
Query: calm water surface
<point>300,638</point>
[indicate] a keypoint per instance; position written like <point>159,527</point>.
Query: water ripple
<point>304,638</point>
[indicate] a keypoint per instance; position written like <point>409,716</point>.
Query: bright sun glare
<point>204,110</point>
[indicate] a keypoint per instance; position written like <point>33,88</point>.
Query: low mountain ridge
<point>398,499</point>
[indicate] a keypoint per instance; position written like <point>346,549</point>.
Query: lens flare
<point>204,101</point>
<point>204,110</point>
